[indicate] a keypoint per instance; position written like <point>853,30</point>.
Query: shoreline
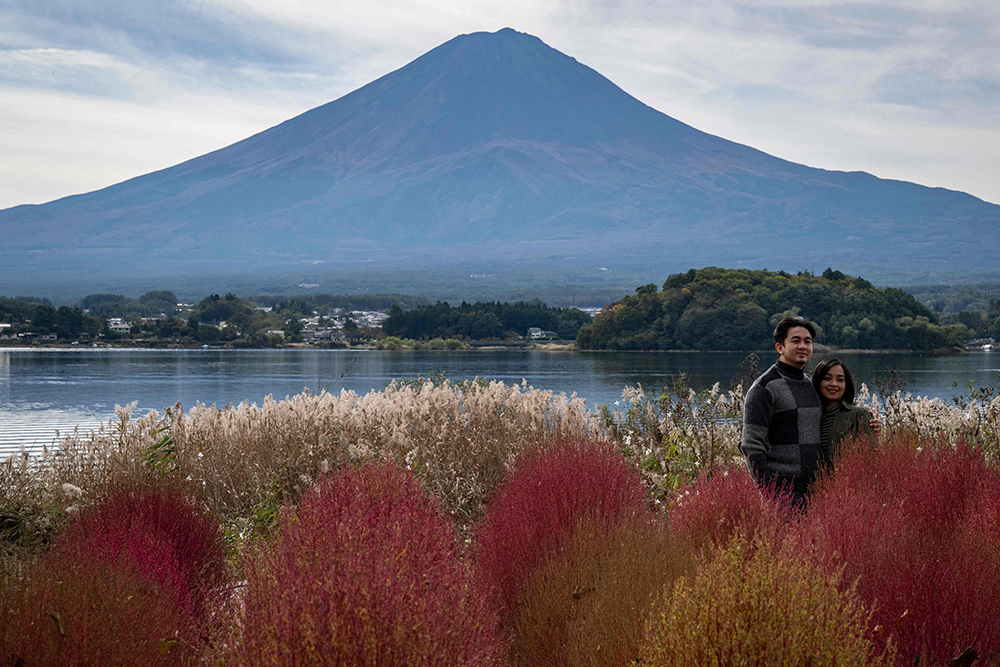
<point>491,347</point>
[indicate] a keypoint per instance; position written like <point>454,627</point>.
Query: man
<point>781,420</point>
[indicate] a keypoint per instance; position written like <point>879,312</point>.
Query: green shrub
<point>390,343</point>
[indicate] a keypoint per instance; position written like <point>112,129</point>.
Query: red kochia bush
<point>365,572</point>
<point>72,613</point>
<point>542,502</point>
<point>710,512</point>
<point>156,527</point>
<point>125,584</point>
<point>920,531</point>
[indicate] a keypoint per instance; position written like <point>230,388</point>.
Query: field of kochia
<point>480,523</point>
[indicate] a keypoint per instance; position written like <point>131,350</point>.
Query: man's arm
<point>757,413</point>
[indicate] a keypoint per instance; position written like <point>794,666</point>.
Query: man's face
<point>797,348</point>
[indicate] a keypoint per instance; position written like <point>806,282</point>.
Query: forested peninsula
<point>736,309</point>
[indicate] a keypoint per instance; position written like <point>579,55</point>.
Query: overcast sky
<point>96,91</point>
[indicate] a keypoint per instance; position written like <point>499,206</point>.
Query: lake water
<point>42,390</point>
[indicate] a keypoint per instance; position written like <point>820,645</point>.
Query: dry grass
<point>678,433</point>
<point>244,461</point>
<point>577,589</point>
<point>972,417</point>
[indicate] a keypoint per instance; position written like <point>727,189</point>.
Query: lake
<point>42,390</point>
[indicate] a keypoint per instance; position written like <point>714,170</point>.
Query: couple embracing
<point>793,423</point>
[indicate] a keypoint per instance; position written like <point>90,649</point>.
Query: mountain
<point>495,150</point>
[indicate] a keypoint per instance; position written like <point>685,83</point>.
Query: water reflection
<point>4,378</point>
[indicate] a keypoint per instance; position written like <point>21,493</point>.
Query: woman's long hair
<point>823,369</point>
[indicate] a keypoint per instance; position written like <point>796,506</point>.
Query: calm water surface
<point>49,389</point>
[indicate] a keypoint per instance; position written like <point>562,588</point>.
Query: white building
<point>117,325</point>
<point>536,333</point>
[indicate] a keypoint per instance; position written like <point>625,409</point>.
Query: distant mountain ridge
<point>493,148</point>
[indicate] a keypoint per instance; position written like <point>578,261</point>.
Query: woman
<point>841,418</point>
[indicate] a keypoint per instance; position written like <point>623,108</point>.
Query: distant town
<point>230,321</point>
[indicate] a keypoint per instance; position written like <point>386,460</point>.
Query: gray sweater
<point>781,427</point>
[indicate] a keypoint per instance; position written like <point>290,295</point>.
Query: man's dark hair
<point>786,323</point>
<point>823,369</point>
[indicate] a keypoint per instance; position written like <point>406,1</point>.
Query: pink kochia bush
<point>713,510</point>
<point>179,547</point>
<point>545,498</point>
<point>73,614</point>
<point>918,528</point>
<point>130,581</point>
<point>366,571</point>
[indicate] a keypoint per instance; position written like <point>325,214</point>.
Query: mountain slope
<point>495,147</point>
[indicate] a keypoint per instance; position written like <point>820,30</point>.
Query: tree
<point>293,329</point>
<point>208,334</point>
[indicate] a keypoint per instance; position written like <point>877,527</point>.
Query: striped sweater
<point>781,422</point>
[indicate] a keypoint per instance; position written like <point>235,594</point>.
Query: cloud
<point>831,84</point>
<point>142,29</point>
<point>101,141</point>
<point>79,72</point>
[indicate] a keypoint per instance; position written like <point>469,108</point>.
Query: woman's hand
<point>876,424</point>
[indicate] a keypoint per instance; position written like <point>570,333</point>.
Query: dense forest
<point>150,304</point>
<point>981,324</point>
<point>483,320</point>
<point>40,316</point>
<point>736,309</point>
<point>954,299</point>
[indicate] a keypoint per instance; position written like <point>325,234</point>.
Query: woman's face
<point>832,385</point>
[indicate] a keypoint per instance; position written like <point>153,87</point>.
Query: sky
<point>93,92</point>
